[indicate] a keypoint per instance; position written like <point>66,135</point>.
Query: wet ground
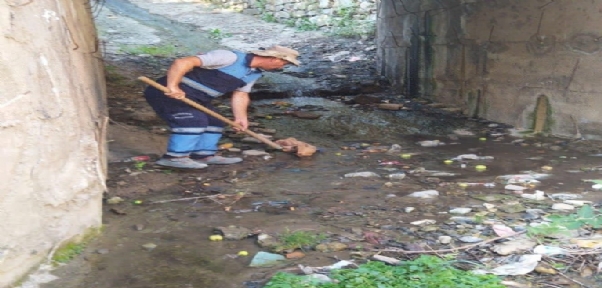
<point>176,211</point>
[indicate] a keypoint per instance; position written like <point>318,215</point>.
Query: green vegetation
<point>139,165</point>
<point>269,17</point>
<point>585,217</point>
<point>344,24</point>
<point>217,34</point>
<point>299,239</point>
<point>305,25</point>
<point>163,50</point>
<point>423,272</point>
<point>74,247</point>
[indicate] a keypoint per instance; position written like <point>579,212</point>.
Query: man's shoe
<point>181,162</point>
<point>219,160</point>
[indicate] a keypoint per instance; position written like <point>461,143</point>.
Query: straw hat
<point>277,51</point>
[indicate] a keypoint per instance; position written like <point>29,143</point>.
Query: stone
<point>425,194</point>
<point>266,241</point>
<point>460,211</point>
<point>444,239</point>
<point>331,247</point>
<point>149,246</point>
<point>114,200</point>
<point>563,207</point>
<point>512,208</point>
<point>254,153</point>
<point>361,174</point>
<point>295,255</point>
<point>234,232</point>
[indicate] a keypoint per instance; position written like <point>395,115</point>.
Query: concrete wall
<point>494,59</point>
<point>52,121</point>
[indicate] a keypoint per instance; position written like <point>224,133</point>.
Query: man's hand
<point>176,93</point>
<point>244,123</point>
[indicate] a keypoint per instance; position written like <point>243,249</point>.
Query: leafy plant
<point>423,272</point>
<point>305,25</point>
<point>299,239</point>
<point>139,165</point>
<point>68,252</point>
<point>269,17</point>
<point>217,34</point>
<point>585,217</point>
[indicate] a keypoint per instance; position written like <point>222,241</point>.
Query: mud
<point>315,194</point>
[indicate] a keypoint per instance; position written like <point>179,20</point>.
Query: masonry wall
<point>495,59</point>
<point>52,123</point>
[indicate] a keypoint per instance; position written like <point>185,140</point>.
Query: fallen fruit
<point>448,162</point>
<point>243,253</point>
<point>138,202</point>
<point>216,238</point>
<point>480,167</point>
<point>406,156</point>
<point>483,139</point>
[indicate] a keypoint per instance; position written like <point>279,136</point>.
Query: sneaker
<point>182,162</point>
<point>219,160</point>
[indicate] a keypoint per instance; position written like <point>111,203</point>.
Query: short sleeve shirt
<point>216,59</point>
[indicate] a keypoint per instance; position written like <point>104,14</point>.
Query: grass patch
<point>161,50</point>
<point>75,246</point>
<point>299,239</point>
<point>423,272</point>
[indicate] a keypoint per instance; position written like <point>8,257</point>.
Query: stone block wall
<point>511,61</point>
<point>311,14</point>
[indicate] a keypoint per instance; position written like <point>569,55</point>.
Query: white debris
<point>361,174</point>
<point>425,194</point>
<point>538,195</point>
<point>562,206</point>
<point>424,222</point>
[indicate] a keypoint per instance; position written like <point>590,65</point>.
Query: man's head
<point>275,58</point>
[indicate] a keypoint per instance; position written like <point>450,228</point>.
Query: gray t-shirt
<point>216,59</point>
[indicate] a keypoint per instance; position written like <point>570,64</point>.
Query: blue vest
<point>204,84</point>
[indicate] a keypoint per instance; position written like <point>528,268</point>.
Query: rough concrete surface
<point>52,123</point>
<point>496,58</point>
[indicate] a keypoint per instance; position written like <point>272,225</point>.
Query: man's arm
<point>240,103</point>
<point>175,73</point>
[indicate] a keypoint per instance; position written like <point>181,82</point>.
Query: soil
<point>178,210</point>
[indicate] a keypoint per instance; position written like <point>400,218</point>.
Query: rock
<point>331,247</point>
<point>513,207</point>
<point>265,259</point>
<point>514,187</point>
<point>565,196</point>
<point>139,227</point>
<point>268,242</point>
<point>470,239</point>
<point>563,207</point>
<point>254,153</point>
<point>102,251</point>
<point>409,209</point>
<point>424,222</point>
<point>514,246</point>
<point>364,100</point>
<point>114,200</point>
<point>430,143</point>
<point>460,211</point>
<point>545,270</point>
<point>234,232</point>
<point>397,176</point>
<point>425,194</point>
<point>305,115</point>
<point>444,239</point>
<point>149,246</point>
<point>577,203</point>
<point>537,196</point>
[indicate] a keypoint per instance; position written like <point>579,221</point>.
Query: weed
<point>423,272</point>
<point>299,239</point>
<point>164,50</point>
<point>306,25</point>
<point>139,165</point>
<point>585,217</point>
<point>68,252</point>
<point>217,34</point>
<point>269,17</point>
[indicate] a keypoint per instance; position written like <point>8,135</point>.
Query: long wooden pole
<point>212,113</point>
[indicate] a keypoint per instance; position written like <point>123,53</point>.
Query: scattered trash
<point>460,211</point>
<point>522,178</point>
<point>425,194</point>
<point>472,157</point>
<point>515,246</point>
<point>409,209</point>
<point>502,230</point>
<point>470,239</point>
<point>593,242</point>
<point>514,187</point>
<point>424,222</point>
<point>476,184</point>
<point>397,176</point>
<point>136,159</point>
<point>430,143</point>
<point>361,174</point>
<point>265,259</point>
<point>525,265</point>
<point>548,250</point>
<point>562,206</point>
<point>538,196</point>
<point>565,196</point>
<point>114,200</point>
<point>578,203</point>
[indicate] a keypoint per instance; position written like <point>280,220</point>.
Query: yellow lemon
<point>406,156</point>
<point>243,253</point>
<point>483,139</point>
<point>138,202</point>
<point>448,162</point>
<point>216,238</point>
<point>480,167</point>
<point>268,117</point>
<point>463,185</point>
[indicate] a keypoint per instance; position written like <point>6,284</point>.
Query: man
<point>201,78</point>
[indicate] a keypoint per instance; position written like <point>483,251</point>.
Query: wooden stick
<point>212,113</point>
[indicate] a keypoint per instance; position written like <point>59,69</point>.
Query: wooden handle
<point>212,113</point>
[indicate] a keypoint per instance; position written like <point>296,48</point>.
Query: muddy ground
<point>283,192</point>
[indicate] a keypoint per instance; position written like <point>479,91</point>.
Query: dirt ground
<point>177,211</point>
